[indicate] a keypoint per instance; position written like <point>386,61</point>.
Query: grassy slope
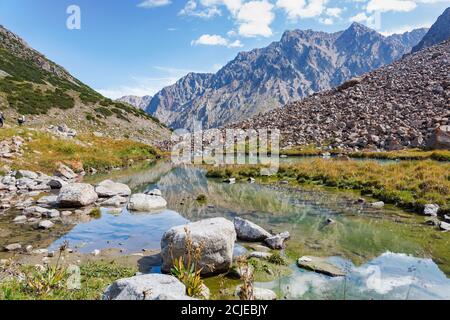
<point>31,90</point>
<point>410,185</point>
<point>42,151</point>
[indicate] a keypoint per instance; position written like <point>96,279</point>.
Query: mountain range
<point>47,94</point>
<point>301,63</point>
<point>405,104</point>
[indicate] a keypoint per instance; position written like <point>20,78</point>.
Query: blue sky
<point>140,46</point>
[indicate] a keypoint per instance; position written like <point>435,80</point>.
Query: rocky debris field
<point>405,104</point>
<point>11,148</point>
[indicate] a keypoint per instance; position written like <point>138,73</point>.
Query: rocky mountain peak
<point>357,28</point>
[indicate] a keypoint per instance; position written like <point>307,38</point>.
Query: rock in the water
<point>146,287</point>
<point>248,231</point>
<point>154,192</point>
<point>77,195</point>
<point>108,189</point>
<point>146,203</point>
<point>46,224</point>
<point>277,242</point>
<point>377,205</point>
<point>259,294</point>
<point>431,210</point>
<point>116,201</point>
<point>13,247</point>
<point>259,255</point>
<point>320,265</point>
<point>217,237</point>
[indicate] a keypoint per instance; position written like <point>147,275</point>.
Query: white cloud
<point>254,19</point>
<point>361,17</point>
<point>391,5</point>
<point>216,40</point>
<point>154,3</point>
<point>191,9</point>
<point>232,5</point>
<point>326,21</point>
<point>334,12</point>
<point>296,9</point>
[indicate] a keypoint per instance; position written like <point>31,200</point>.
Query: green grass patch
<point>95,277</point>
<point>101,153</point>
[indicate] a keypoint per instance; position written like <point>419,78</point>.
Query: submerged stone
<point>146,203</point>
<point>320,265</point>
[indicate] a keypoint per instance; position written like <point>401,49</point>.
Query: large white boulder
<point>146,287</point>
<point>108,189</point>
<point>77,195</point>
<point>146,203</point>
<point>248,231</point>
<point>216,236</point>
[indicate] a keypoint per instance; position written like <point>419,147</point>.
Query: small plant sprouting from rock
<point>43,280</point>
<point>277,259</point>
<point>201,198</point>
<point>246,272</point>
<point>186,268</point>
<point>96,213</point>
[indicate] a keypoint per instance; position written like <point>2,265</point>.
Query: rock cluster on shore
<point>42,201</point>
